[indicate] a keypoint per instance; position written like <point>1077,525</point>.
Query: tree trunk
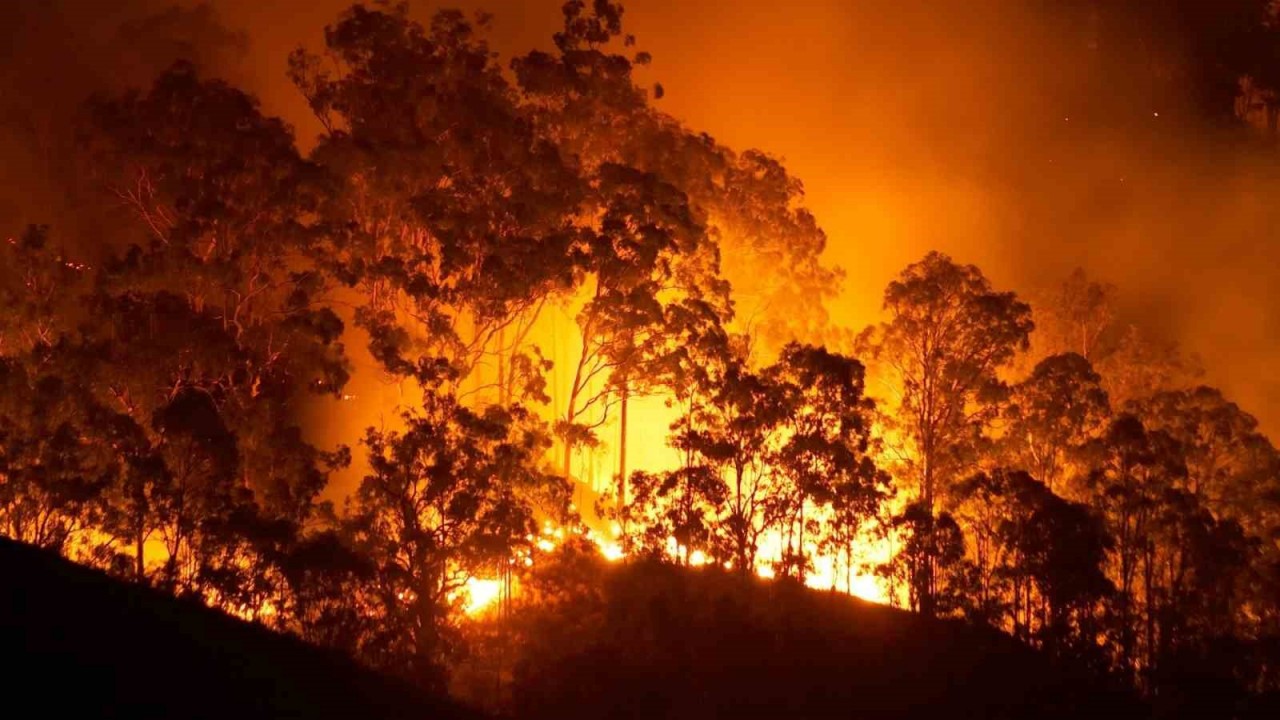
<point>1150,619</point>
<point>502,368</point>
<point>799,559</point>
<point>140,559</point>
<point>571,410</point>
<point>744,562</point>
<point>622,446</point>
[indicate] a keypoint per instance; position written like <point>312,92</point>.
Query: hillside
<point>654,641</point>
<point>630,641</point>
<point>78,643</point>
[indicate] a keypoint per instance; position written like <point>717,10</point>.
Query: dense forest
<point>538,258</point>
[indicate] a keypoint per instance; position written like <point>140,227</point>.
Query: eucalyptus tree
<point>448,211</point>
<point>947,337</point>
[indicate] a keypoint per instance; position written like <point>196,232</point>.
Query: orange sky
<point>919,125</point>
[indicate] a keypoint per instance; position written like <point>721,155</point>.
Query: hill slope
<point>654,641</point>
<point>640,640</point>
<point>78,643</point>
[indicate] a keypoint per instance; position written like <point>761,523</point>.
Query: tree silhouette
<point>948,335</point>
<point>929,560</point>
<point>588,98</point>
<point>1050,418</point>
<point>1136,468</point>
<point>648,253</point>
<point>447,499</point>
<point>1077,318</point>
<point>1039,560</point>
<point>822,458</point>
<point>1230,464</point>
<point>448,212</point>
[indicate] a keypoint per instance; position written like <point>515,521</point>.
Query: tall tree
<point>948,336</point>
<point>449,212</point>
<point>1039,560</point>
<point>1050,418</point>
<point>648,263</point>
<point>588,97</point>
<point>1140,366</point>
<point>1135,469</point>
<point>211,327</point>
<point>735,428</point>
<point>1076,317</point>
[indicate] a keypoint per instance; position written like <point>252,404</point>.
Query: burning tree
<point>783,450</point>
<point>450,498</point>
<point>948,336</point>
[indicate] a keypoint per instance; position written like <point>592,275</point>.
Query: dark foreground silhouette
<point>77,643</point>
<point>638,641</point>
<point>654,641</point>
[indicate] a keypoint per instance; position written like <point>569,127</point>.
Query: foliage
<point>449,498</point>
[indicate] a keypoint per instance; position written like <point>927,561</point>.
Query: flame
<point>610,549</point>
<point>846,575</point>
<point>480,595</point>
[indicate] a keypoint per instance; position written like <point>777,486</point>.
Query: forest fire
<point>481,595</point>
<point>503,376</point>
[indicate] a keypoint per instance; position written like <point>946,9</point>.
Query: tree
<point>929,560</point>
<point>822,456</point>
<point>1230,463</point>
<point>1039,560</point>
<point>781,450</point>
<point>1134,470</point>
<point>1051,416</point>
<point>648,255</point>
<point>329,598</point>
<point>1076,318</point>
<point>588,98</point>
<point>948,336</point>
<point>448,211</point>
<point>773,248</point>
<point>735,429</point>
<point>686,504</point>
<point>674,513</point>
<point>197,495</point>
<point>39,287</point>
<point>448,499</point>
<point>1140,366</point>
<point>52,475</point>
<point>210,327</point>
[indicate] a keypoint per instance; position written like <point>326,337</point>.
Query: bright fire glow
<point>480,595</point>
<point>831,573</point>
<point>612,551</point>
